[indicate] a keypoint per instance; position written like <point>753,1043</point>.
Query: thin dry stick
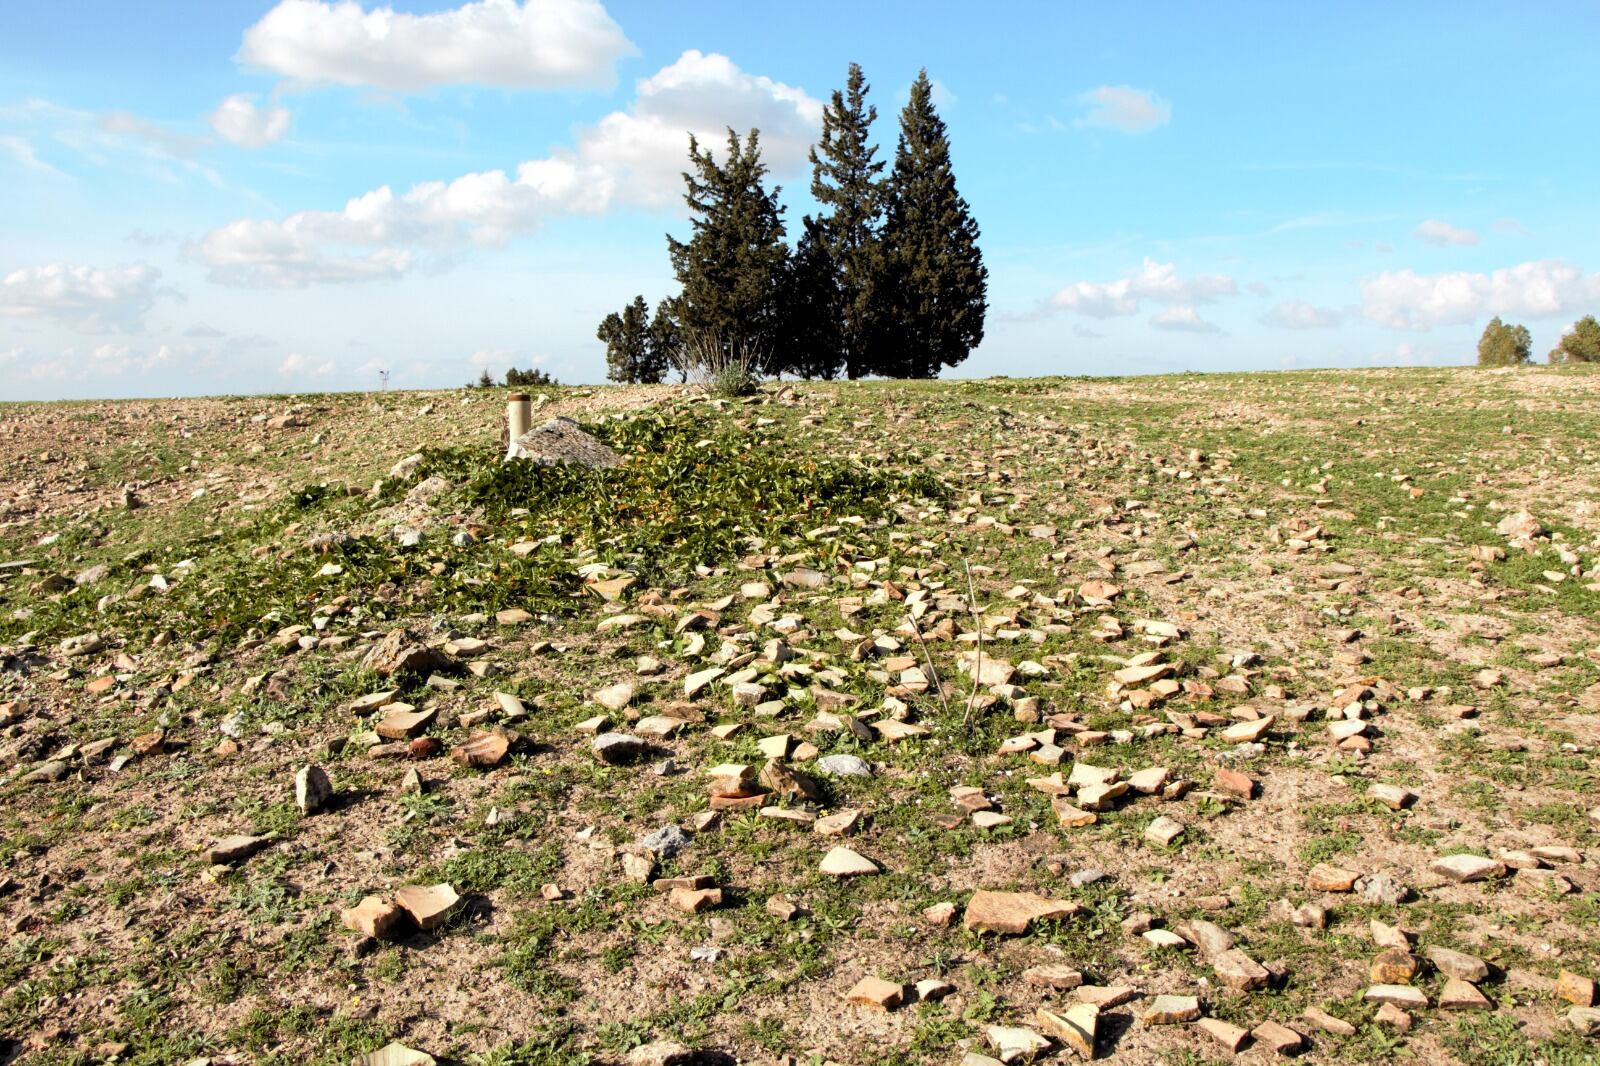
<point>933,675</point>
<point>977,668</point>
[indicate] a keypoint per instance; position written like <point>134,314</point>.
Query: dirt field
<point>1316,656</point>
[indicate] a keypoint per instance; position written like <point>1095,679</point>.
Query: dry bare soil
<point>1279,635</point>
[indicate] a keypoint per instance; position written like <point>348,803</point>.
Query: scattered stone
<point>312,789</point>
<point>1396,995</point>
<point>1013,1044</point>
<point>662,1053</point>
<point>1012,912</point>
<point>616,749</point>
<point>236,848</point>
<point>1059,977</point>
<point>1394,1017</point>
<point>665,842</point>
<point>1465,868</point>
<point>615,697</point>
<point>403,652</point>
<point>405,724</point>
<point>876,993</point>
<point>1239,971</point>
<point>1228,1035</point>
<point>1321,1019</point>
<point>1171,1010</point>
<point>1586,1020</point>
<point>1163,831</point>
<point>1327,878</point>
<point>1393,966</point>
<point>391,1054</point>
<point>1076,1028</point>
<point>1235,783</point>
<point>1575,989</point>
<point>1278,1037</point>
<point>1382,889</point>
<point>1459,995</point>
<point>842,862</point>
<point>695,900</point>
<point>376,917</point>
<point>1456,964</point>
<point>428,905</point>
<point>1392,796</point>
<point>484,749</point>
<point>844,766</point>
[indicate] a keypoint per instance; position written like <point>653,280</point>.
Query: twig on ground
<point>933,675</point>
<point>977,667</point>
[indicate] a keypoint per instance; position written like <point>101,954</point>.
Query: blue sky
<point>241,197</point>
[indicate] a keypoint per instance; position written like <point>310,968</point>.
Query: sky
<point>208,196</point>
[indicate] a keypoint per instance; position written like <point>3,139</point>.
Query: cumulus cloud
<point>1297,314</point>
<point>1543,288</point>
<point>1158,282</point>
<point>537,44</point>
<point>88,297</point>
<point>1444,234</point>
<point>1183,319</point>
<point>630,157</point>
<point>1120,107</point>
<point>239,121</point>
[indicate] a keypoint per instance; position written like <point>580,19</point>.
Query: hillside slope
<point>1291,641</point>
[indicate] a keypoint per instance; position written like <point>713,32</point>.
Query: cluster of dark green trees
<point>886,281</point>
<point>514,377</point>
<point>1506,344</point>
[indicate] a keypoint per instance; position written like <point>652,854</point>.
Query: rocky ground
<point>1166,720</point>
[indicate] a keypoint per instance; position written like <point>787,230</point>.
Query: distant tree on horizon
<point>1581,345</point>
<point>1503,344</point>
<point>630,355</point>
<point>937,288</point>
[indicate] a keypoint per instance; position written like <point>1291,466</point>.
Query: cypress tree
<point>627,340</point>
<point>812,345</point>
<point>734,264</point>
<point>845,182</point>
<point>937,281</point>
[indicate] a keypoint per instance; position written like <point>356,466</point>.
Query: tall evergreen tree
<point>734,264</point>
<point>812,345</point>
<point>627,339</point>
<point>845,181</point>
<point>937,281</point>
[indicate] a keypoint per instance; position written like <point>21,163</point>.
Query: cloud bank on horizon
<point>339,187</point>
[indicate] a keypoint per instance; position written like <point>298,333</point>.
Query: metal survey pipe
<point>519,419</point>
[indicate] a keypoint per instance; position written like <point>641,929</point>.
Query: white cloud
<point>85,296</point>
<point>167,142</point>
<point>1158,282</point>
<point>21,150</point>
<point>537,44</point>
<point>629,157</point>
<point>1120,107</point>
<point>1297,314</point>
<point>1444,234</point>
<point>1404,299</point>
<point>1183,319</point>
<point>297,365</point>
<point>239,121</point>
